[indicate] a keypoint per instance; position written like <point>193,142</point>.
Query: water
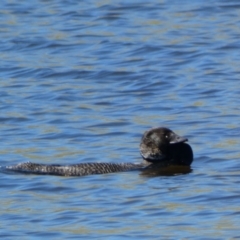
<point>81,82</point>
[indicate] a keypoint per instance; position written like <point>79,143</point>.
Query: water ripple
<point>81,82</point>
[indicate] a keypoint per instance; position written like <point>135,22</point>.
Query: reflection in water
<point>167,171</point>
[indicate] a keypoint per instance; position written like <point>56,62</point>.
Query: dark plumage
<point>80,169</point>
<point>163,146</point>
<point>160,148</point>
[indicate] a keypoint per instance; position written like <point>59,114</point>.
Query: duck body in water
<point>161,144</point>
<point>159,147</point>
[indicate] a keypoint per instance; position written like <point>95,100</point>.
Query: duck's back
<point>80,169</point>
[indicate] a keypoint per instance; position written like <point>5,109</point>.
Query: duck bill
<point>177,139</point>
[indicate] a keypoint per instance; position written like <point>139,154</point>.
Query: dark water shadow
<point>172,170</point>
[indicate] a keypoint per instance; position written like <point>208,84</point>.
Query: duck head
<point>155,143</point>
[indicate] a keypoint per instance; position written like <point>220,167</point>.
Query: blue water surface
<point>80,81</point>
